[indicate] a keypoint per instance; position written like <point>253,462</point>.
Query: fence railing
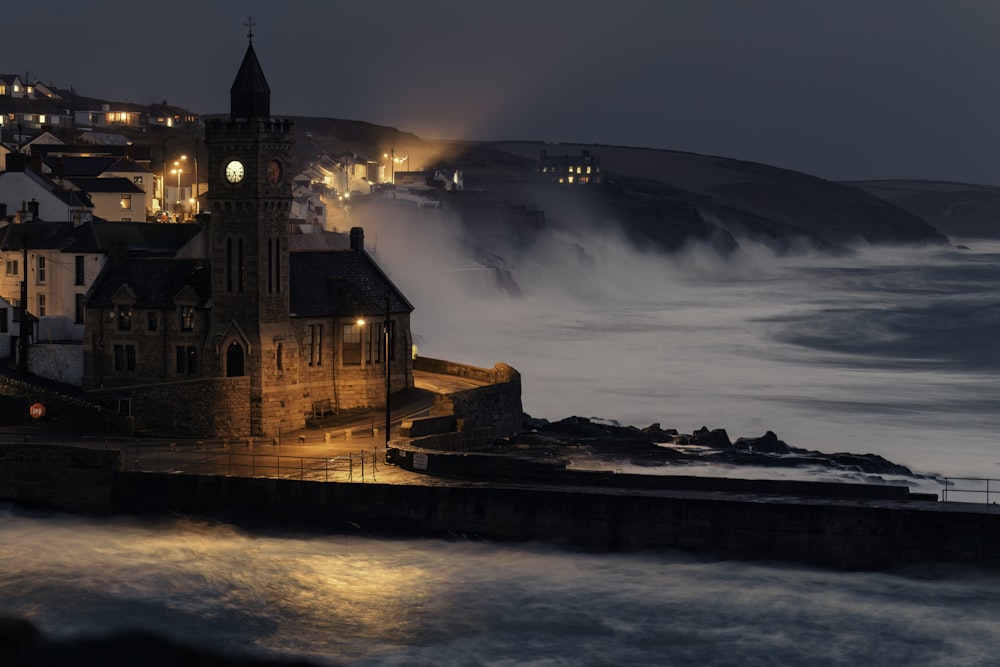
<point>971,489</point>
<point>353,467</point>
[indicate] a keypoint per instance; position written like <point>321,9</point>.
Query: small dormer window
<point>187,318</point>
<point>124,318</point>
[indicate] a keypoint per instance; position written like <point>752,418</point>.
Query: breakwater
<point>880,529</point>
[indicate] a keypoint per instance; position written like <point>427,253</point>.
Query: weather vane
<point>250,24</point>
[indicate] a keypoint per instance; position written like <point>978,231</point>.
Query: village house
<point>262,332</point>
<point>571,169</point>
<point>50,266</point>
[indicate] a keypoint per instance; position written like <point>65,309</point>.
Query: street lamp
<point>387,336</point>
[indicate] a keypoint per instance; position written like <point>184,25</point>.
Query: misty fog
<point>886,350</point>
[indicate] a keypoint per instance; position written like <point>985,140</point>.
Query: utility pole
<point>25,328</point>
<point>388,387</point>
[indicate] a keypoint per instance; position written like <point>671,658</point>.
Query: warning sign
<point>419,461</point>
<point>37,411</point>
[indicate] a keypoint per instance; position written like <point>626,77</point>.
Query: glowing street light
<point>386,332</point>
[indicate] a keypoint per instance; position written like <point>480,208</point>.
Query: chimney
<point>33,207</point>
<point>357,238</point>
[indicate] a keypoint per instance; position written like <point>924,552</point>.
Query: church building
<point>254,337</point>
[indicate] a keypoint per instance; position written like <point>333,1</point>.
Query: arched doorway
<point>234,360</point>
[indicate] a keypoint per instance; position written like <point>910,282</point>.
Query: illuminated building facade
<point>580,169</point>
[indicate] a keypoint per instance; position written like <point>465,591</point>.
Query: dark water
<point>383,602</point>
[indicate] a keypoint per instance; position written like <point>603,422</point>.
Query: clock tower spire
<point>249,197</point>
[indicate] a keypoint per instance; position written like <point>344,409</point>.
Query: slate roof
<point>139,238</point>
<point>145,238</point>
<point>340,283</point>
<point>75,165</point>
<point>106,185</point>
<point>250,96</point>
<point>155,281</point>
<point>43,235</point>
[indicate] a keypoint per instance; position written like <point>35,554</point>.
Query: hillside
<point>959,210</point>
<point>658,197</point>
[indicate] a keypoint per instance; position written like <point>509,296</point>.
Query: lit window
<point>588,169</point>
<point>126,202</point>
<point>569,180</point>
<point>124,318</point>
<point>351,352</point>
<point>187,318</point>
<point>137,180</point>
<point>41,118</point>
<point>316,345</point>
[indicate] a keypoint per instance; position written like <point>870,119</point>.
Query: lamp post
<point>387,338</point>
<point>388,388</point>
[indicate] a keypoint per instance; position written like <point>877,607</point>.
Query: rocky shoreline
<point>579,441</point>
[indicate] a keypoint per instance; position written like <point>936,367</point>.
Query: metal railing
<point>353,467</point>
<point>970,489</point>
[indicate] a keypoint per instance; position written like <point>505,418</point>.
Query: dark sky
<point>840,88</point>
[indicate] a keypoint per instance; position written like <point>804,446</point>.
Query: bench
<point>322,407</point>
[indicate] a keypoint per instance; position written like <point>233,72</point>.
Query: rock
<point>717,438</point>
<point>659,434</point>
<point>767,443</point>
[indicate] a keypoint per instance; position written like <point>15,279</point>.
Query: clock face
<point>235,171</point>
<point>273,172</point>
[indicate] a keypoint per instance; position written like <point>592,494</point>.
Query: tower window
<point>124,318</point>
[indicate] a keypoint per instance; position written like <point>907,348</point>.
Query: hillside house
<point>580,169</point>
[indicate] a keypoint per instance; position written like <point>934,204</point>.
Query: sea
<point>890,351</point>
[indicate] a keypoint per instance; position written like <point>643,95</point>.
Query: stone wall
<point>61,362</point>
<point>207,407</point>
<point>496,407</point>
<point>63,413</point>
<point>838,533</point>
<point>63,478</point>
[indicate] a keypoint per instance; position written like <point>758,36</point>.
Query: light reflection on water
<point>384,602</point>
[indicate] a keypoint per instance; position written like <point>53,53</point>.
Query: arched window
<point>234,360</point>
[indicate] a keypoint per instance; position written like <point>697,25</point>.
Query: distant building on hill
<point>571,169</point>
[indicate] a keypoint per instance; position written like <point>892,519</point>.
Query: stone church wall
<point>208,407</point>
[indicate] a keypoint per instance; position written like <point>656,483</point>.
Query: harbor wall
<point>849,528</point>
<point>829,532</point>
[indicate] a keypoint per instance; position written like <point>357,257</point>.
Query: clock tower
<point>249,198</point>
